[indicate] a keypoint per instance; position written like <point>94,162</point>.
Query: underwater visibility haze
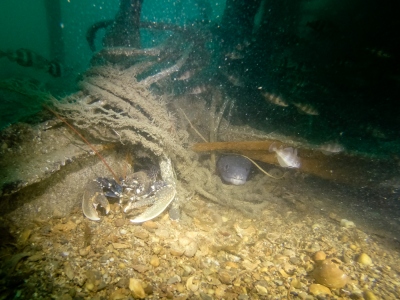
<point>199,149</point>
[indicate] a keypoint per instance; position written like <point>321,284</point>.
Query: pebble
<point>261,290</point>
<point>328,273</point>
<point>289,253</point>
<point>368,295</point>
<point>319,255</point>
<point>121,266</point>
<point>364,259</point>
<point>137,289</point>
<point>120,246</point>
<point>249,266</point>
<point>162,233</point>
<point>189,246</point>
<point>318,289</point>
<point>141,233</point>
<point>69,272</point>
<point>176,249</point>
<point>84,251</point>
<point>150,225</point>
<point>155,261</point>
<point>347,224</point>
<point>225,277</point>
<point>141,268</point>
<point>174,279</point>
<point>156,249</point>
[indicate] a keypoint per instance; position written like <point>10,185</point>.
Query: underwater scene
<point>199,149</point>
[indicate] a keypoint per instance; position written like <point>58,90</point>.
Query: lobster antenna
<point>86,141</point>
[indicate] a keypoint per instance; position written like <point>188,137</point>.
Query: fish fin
<point>282,162</point>
<point>289,151</point>
<point>272,147</point>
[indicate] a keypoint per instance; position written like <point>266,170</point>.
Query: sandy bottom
<point>211,253</point>
<point>298,246</point>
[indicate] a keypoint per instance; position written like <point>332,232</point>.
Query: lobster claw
<point>92,197</point>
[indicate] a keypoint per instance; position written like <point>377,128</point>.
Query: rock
<point>162,233</point>
<point>157,249</point>
<point>141,233</point>
<point>141,268</point>
<point>150,225</point>
<point>155,261</point>
<point>120,246</point>
<point>368,295</point>
<point>318,289</point>
<point>328,273</point>
<point>319,255</point>
<point>69,272</point>
<point>364,259</point>
<point>261,290</point>
<point>84,251</point>
<point>249,266</point>
<point>136,288</point>
<point>225,277</point>
<point>189,246</point>
<point>121,266</point>
<point>347,224</point>
<point>57,214</point>
<point>174,279</point>
<point>176,249</point>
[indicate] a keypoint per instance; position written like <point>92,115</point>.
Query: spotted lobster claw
<point>92,197</point>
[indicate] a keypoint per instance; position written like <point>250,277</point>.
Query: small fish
<point>186,75</point>
<point>331,148</point>
<point>234,79</point>
<point>274,99</point>
<point>27,58</point>
<point>198,89</point>
<point>322,27</point>
<point>242,46</point>
<point>234,55</point>
<point>55,69</point>
<point>287,157</point>
<point>307,109</point>
<point>378,53</point>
